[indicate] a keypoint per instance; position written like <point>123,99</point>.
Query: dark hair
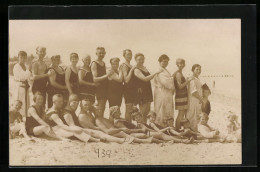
<point>22,53</point>
<point>194,66</point>
<point>163,57</point>
<point>36,95</point>
<point>73,54</point>
<point>180,60</point>
<point>101,48</point>
<point>39,47</point>
<point>115,58</point>
<point>124,52</point>
<point>138,54</point>
<point>55,57</point>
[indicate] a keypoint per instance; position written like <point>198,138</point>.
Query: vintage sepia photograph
<point>125,92</point>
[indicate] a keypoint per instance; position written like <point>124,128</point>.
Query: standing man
<point>100,76</point>
<point>39,72</point>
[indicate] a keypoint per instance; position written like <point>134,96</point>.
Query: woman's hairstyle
<point>19,101</point>
<point>71,55</point>
<point>85,57</point>
<point>37,94</point>
<point>39,47</point>
<point>73,97</point>
<point>180,60</point>
<point>115,59</point>
<point>101,48</point>
<point>194,67</point>
<point>124,52</point>
<point>55,57</point>
<point>138,54</point>
<point>22,53</point>
<point>163,57</point>
<point>85,100</point>
<point>151,113</point>
<point>113,110</point>
<point>57,96</point>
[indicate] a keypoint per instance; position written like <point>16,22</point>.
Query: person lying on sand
<point>208,132</point>
<point>137,117</point>
<point>233,128</point>
<point>55,119</point>
<point>108,127</point>
<point>84,120</point>
<point>16,122</point>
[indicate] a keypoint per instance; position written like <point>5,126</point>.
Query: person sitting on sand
<point>71,119</point>
<point>137,117</point>
<point>208,132</point>
<point>206,108</point>
<point>35,124</point>
<point>233,128</point>
<point>54,117</point>
<point>87,121</point>
<point>16,121</point>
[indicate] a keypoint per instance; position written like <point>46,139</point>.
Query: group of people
<point>91,86</point>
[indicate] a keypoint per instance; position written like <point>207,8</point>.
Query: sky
<point>215,44</point>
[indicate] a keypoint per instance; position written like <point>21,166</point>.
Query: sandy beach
<point>74,152</point>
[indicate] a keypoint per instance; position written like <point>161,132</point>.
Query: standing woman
<point>21,87</point>
<point>71,75</point>
<point>86,84</point>
<point>164,89</point>
<point>195,98</point>
<point>128,89</point>
<point>181,97</point>
<point>115,85</point>
<point>143,89</point>
<point>56,83</point>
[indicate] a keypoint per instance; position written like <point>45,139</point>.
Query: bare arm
<point>179,84</point>
<point>81,81</point>
<point>67,79</point>
<point>139,75</point>
<point>59,122</point>
<point>36,76</point>
<point>155,128</point>
<point>86,123</point>
<point>94,72</point>
<point>117,78</point>
<point>53,82</point>
<point>126,76</point>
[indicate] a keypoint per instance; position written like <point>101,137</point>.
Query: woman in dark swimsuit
<point>129,85</point>
<point>143,89</point>
<point>35,124</point>
<point>87,86</point>
<point>56,84</point>
<point>181,97</point>
<point>115,85</point>
<point>71,75</point>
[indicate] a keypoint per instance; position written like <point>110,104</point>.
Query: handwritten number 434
<point>102,153</point>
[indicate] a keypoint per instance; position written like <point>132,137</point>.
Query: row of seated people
<point>90,125</point>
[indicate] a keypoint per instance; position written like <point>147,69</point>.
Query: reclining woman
<point>55,119</point>
<point>91,117</point>
<point>72,120</point>
<point>137,116</point>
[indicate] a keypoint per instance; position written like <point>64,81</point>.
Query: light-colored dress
<point>194,105</point>
<point>20,89</point>
<point>163,96</point>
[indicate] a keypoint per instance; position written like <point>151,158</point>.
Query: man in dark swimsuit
<point>98,68</point>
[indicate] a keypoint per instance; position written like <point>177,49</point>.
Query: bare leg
<point>145,109</point>
<point>128,109</point>
<point>136,140</point>
<point>179,118</point>
<point>102,104</point>
<point>140,135</point>
<point>82,136</point>
<point>46,130</point>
